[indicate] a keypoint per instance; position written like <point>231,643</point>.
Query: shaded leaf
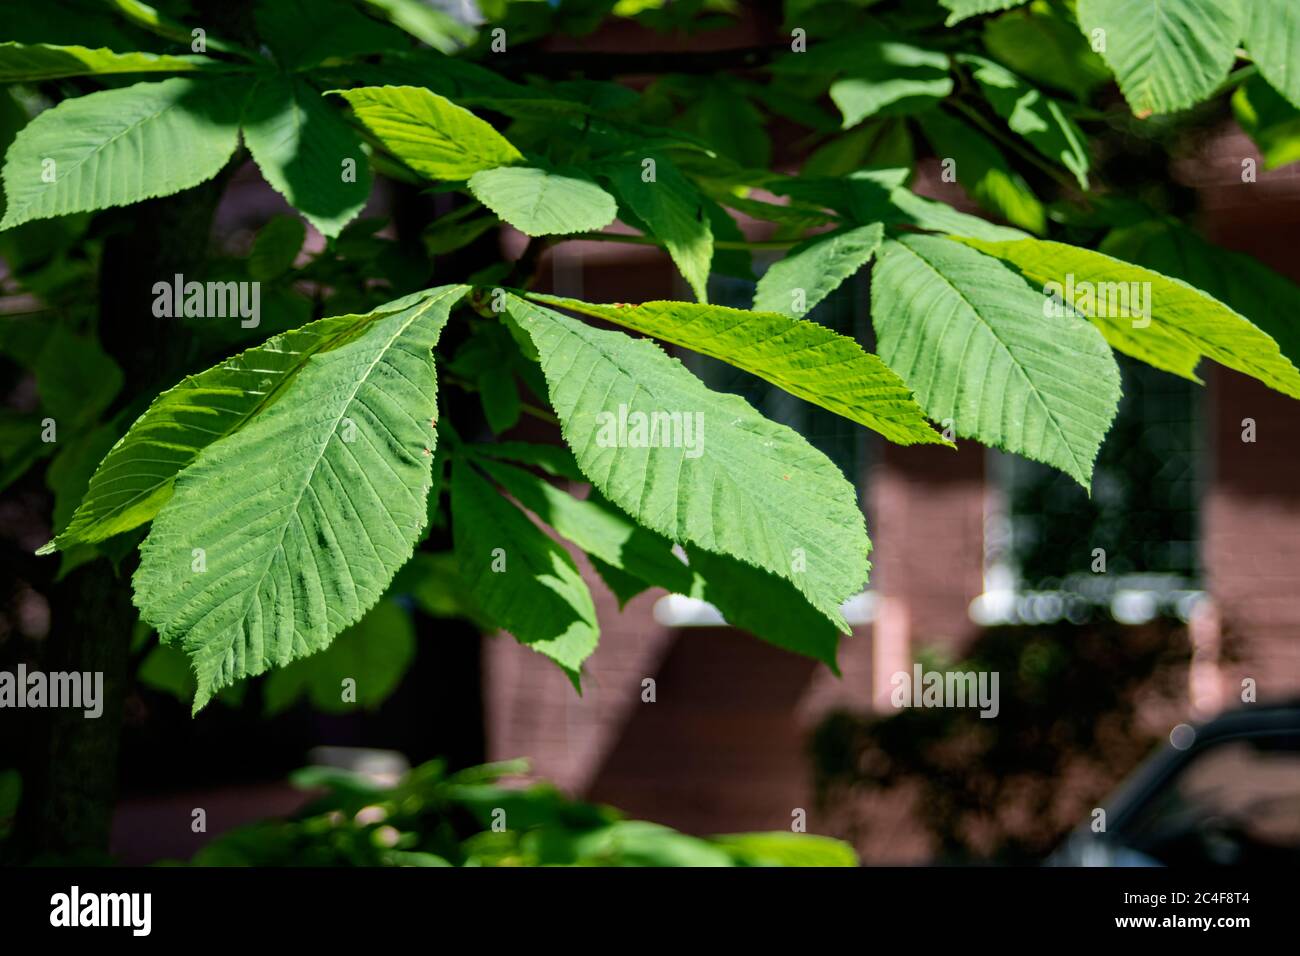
<point>33,62</point>
<point>307,152</point>
<point>983,171</point>
<point>674,212</point>
<point>894,77</point>
<point>303,33</point>
<point>375,653</point>
<point>427,23</point>
<point>521,578</point>
<point>276,247</point>
<point>1039,119</point>
<point>1039,43</point>
<point>1269,120</point>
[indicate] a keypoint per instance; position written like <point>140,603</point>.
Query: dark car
<point>1226,793</point>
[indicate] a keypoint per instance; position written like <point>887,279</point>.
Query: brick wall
<point>1251,513</point>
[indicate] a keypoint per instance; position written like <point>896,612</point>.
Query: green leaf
<point>673,211</point>
<point>1242,282</point>
<point>520,577</point>
<point>746,486</point>
<point>432,581</point>
<point>555,460</point>
<point>426,23</point>
<point>640,843</point>
<point>276,247</point>
<point>459,80</point>
<point>135,479</point>
<point>735,262</point>
<point>884,142</point>
<point>622,585</point>
<point>795,216</point>
<point>796,849</point>
<point>75,377</point>
<point>748,598</point>
<point>1272,36</point>
<point>872,196</point>
<point>1040,120</point>
<point>897,77</point>
<point>34,62</point>
<point>718,114</point>
<point>304,33</point>
<point>454,230</point>
<point>983,171</point>
<point>430,133</point>
<point>1167,55</point>
<point>981,350</point>
<point>282,534</point>
<point>1185,323</point>
<point>768,606</point>
<point>71,470</point>
<point>117,147</point>
<point>307,152</point>
<point>20,445</point>
<point>167,669</point>
<point>815,268</point>
<point>375,653</point>
<point>804,358</point>
<point>597,527</point>
<point>936,216</point>
<point>150,19</point>
<point>1270,120</point>
<point>500,399</point>
<point>965,9</point>
<point>1041,44</point>
<point>542,203</point>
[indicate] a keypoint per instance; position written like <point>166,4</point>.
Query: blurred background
<point>981,561</point>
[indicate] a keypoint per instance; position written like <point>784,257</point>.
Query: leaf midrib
<point>253,591</point>
<point>780,529</point>
<point>268,398</point>
<point>99,149</point>
<point>1033,389</point>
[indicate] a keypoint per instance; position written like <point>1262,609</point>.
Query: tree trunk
<point>70,777</point>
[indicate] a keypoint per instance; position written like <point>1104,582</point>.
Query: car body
<point>1226,793</point>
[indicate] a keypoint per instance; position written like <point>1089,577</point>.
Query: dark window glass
<point>1144,509</point>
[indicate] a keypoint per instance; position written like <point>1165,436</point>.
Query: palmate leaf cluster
<point>288,488</point>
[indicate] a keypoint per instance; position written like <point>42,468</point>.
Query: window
<point>1131,550</point>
